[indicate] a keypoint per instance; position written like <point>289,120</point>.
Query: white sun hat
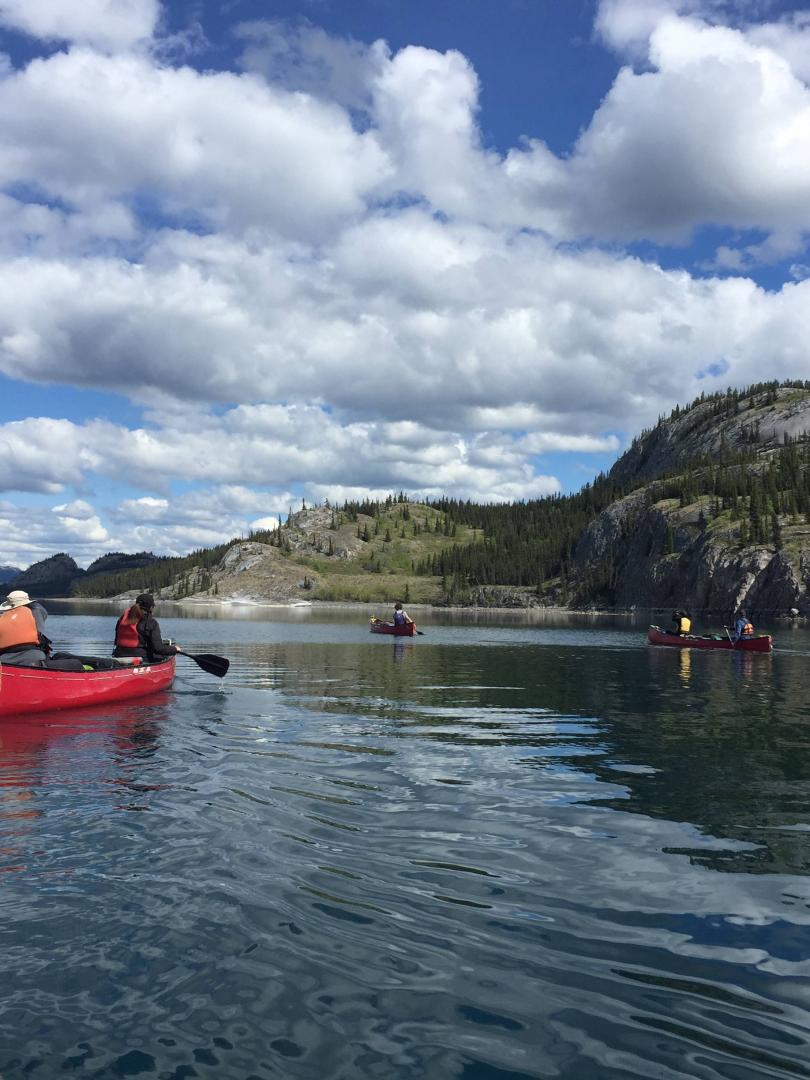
<point>17,598</point>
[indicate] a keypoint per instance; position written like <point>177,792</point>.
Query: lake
<point>504,849</point>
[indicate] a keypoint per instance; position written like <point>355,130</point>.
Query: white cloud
<point>105,24</point>
<point>42,455</point>
<point>225,149</point>
<point>789,38</point>
<point>29,533</point>
<point>716,131</point>
<point>273,447</point>
<point>469,330</point>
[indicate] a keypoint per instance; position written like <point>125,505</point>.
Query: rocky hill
<point>718,515</point>
<point>8,573</point>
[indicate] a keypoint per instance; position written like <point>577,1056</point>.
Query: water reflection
<point>685,667</point>
<point>490,852</point>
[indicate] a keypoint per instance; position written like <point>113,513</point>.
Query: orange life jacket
<point>126,633</point>
<point>18,628</point>
<point>747,630</point>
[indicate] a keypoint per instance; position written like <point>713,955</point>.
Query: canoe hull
<point>760,643</point>
<point>408,630</point>
<point>34,690</point>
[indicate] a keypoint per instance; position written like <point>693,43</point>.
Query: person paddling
<point>401,616</point>
<point>683,623</point>
<point>742,627</point>
<point>137,632</point>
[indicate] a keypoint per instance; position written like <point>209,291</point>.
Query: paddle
<point>214,665</point>
<point>728,635</point>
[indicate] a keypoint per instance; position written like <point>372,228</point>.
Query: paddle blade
<point>214,665</point>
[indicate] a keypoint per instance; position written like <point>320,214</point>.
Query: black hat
<point>145,601</point>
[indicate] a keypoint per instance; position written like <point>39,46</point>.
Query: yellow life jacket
<point>684,624</point>
<point>18,628</point>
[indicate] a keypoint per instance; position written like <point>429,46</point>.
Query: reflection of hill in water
<point>715,740</point>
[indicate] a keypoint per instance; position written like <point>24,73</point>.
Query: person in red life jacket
<point>127,640</point>
<point>22,631</point>
<point>137,632</point>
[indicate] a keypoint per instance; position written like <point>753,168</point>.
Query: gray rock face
<point>644,551</point>
<point>705,571</point>
<point>702,431</point>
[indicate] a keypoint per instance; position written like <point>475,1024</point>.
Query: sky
<point>260,252</point>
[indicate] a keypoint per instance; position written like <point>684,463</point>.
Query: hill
<point>719,512</point>
<point>709,509</point>
<point>60,575</point>
<point>359,552</point>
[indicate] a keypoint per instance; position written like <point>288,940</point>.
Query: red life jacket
<point>18,627</point>
<point>126,633</point>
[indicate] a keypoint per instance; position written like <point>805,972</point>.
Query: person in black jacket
<point>151,644</point>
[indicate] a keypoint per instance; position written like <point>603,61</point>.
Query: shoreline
<point>538,612</point>
<point>359,605</point>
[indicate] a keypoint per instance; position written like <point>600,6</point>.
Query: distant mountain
<point>8,573</point>
<point>117,562</point>
<point>48,577</point>
<point>60,575</point>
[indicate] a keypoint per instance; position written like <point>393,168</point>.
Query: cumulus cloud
<point>36,531</point>
<point>105,24</point>
<point>315,276</point>
<point>464,329</point>
<point>224,149</point>
<point>715,130</point>
<point>277,447</point>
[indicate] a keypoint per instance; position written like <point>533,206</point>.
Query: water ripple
<point>491,863</point>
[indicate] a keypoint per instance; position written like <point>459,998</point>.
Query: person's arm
<point>153,640</point>
<point>40,615</point>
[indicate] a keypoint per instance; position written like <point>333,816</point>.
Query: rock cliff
<point>735,537</point>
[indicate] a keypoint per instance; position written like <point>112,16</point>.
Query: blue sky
<point>259,251</point>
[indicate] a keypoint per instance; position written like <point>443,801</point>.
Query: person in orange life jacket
<point>683,623</point>
<point>742,627</point>
<point>22,631</point>
<point>401,616</point>
<point>137,632</point>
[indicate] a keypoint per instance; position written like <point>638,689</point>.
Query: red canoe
<point>406,630</point>
<point>34,690</point>
<point>760,643</point>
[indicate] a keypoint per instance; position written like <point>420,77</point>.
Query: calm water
<point>495,852</point>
